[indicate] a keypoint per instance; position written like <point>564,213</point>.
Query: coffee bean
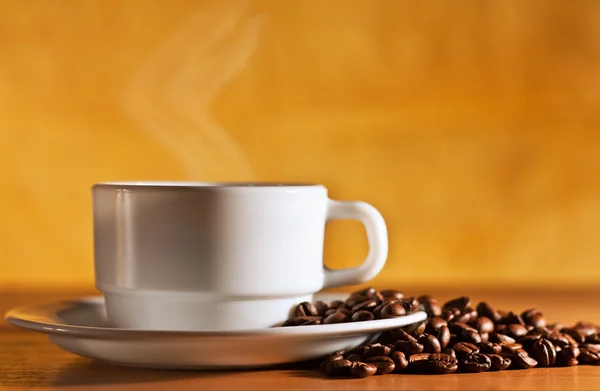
<point>471,336</point>
<point>490,348</point>
<point>416,329</point>
<point>339,367</point>
<point>401,335</point>
<point>559,340</point>
<point>336,304</point>
<point>544,352</point>
<point>430,306</point>
<point>529,314</point>
<point>392,310</point>
<point>539,331</point>
<point>464,348</point>
<point>528,341</point>
<point>361,316</point>
<point>512,318</point>
<point>499,338</point>
<point>510,348</point>
<point>484,309</point>
<point>305,309</point>
<point>442,363</point>
<point>443,336</point>
<point>354,300</point>
<point>590,346</point>
<point>408,348</point>
<point>366,305</point>
<point>593,338</point>
<point>430,344</point>
<point>538,321</point>
<point>466,315</point>
<point>354,357</point>
<point>418,362</point>
<point>434,324</point>
<point>449,314</point>
<point>460,303</point>
<point>571,340</point>
<point>362,370</point>
<point>326,362</point>
<point>377,310</point>
<point>330,311</point>
<point>392,294</point>
<point>578,336</point>
<point>307,320</point>
<point>498,363</point>
<point>523,360</point>
<point>321,307</point>
<point>588,357</point>
<point>336,317</point>
<point>475,362</point>
<point>500,328</point>
<point>410,305</point>
<point>484,325</point>
<point>384,364</point>
<point>377,350</point>
<point>400,361</point>
<point>568,356</point>
<point>458,327</point>
<point>516,330</point>
<point>368,292</point>
<point>450,352</point>
<point>586,328</point>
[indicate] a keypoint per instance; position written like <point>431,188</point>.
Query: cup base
<point>184,312</point>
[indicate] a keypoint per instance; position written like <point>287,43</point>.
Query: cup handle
<point>376,235</point>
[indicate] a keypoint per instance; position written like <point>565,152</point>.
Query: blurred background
<point>472,126</point>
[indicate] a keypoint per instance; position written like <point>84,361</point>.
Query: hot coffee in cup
<point>219,256</point>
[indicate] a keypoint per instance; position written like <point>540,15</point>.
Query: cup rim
<point>203,185</point>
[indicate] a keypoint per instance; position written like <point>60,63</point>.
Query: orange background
<point>472,126</point>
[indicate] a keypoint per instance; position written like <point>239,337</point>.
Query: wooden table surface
<point>28,360</point>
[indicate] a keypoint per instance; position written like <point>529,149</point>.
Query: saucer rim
<point>31,317</point>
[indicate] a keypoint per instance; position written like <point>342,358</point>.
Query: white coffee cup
<point>219,256</point>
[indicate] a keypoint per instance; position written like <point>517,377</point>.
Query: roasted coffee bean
<point>410,304</point>
<point>516,330</point>
<point>377,310</point>
<point>330,311</point>
<point>361,316</point>
<point>384,364</point>
<point>466,315</point>
<point>339,367</point>
<point>408,348</point>
<point>471,336</point>
<point>366,292</point>
<point>329,359</point>
<point>307,320</point>
<point>377,350</point>
<point>475,362</point>
<point>401,335</point>
<point>416,329</point>
<point>345,311</point>
<point>539,331</point>
<point>442,363</point>
<point>512,318</point>
<point>448,315</point>
<point>578,336</point>
<point>523,360</point>
<point>558,339</point>
<point>497,362</point>
<point>568,356</point>
<point>528,341</point>
<point>529,314</point>
<point>430,344</point>
<point>354,357</point>
<point>510,348</point>
<point>538,321</point>
<point>464,348</point>
<point>501,328</point>
<point>593,338</point>
<point>336,304</point>
<point>588,357</point>
<point>443,336</point>
<point>458,327</point>
<point>336,317</point>
<point>499,338</point>
<point>485,337</point>
<point>450,352</point>
<point>392,310</point>
<point>590,346</point>
<point>544,352</point>
<point>400,361</point>
<point>391,294</point>
<point>366,305</point>
<point>483,324</point>
<point>354,300</point>
<point>460,303</point>
<point>586,328</point>
<point>321,307</point>
<point>571,340</point>
<point>484,309</point>
<point>418,362</point>
<point>305,309</point>
<point>361,370</point>
<point>434,324</point>
<point>490,348</point>
<point>430,306</point>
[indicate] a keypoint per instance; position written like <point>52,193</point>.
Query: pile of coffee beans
<point>456,337</point>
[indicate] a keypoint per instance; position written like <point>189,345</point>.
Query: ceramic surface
<point>80,326</point>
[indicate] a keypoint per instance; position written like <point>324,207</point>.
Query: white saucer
<point>80,327</point>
